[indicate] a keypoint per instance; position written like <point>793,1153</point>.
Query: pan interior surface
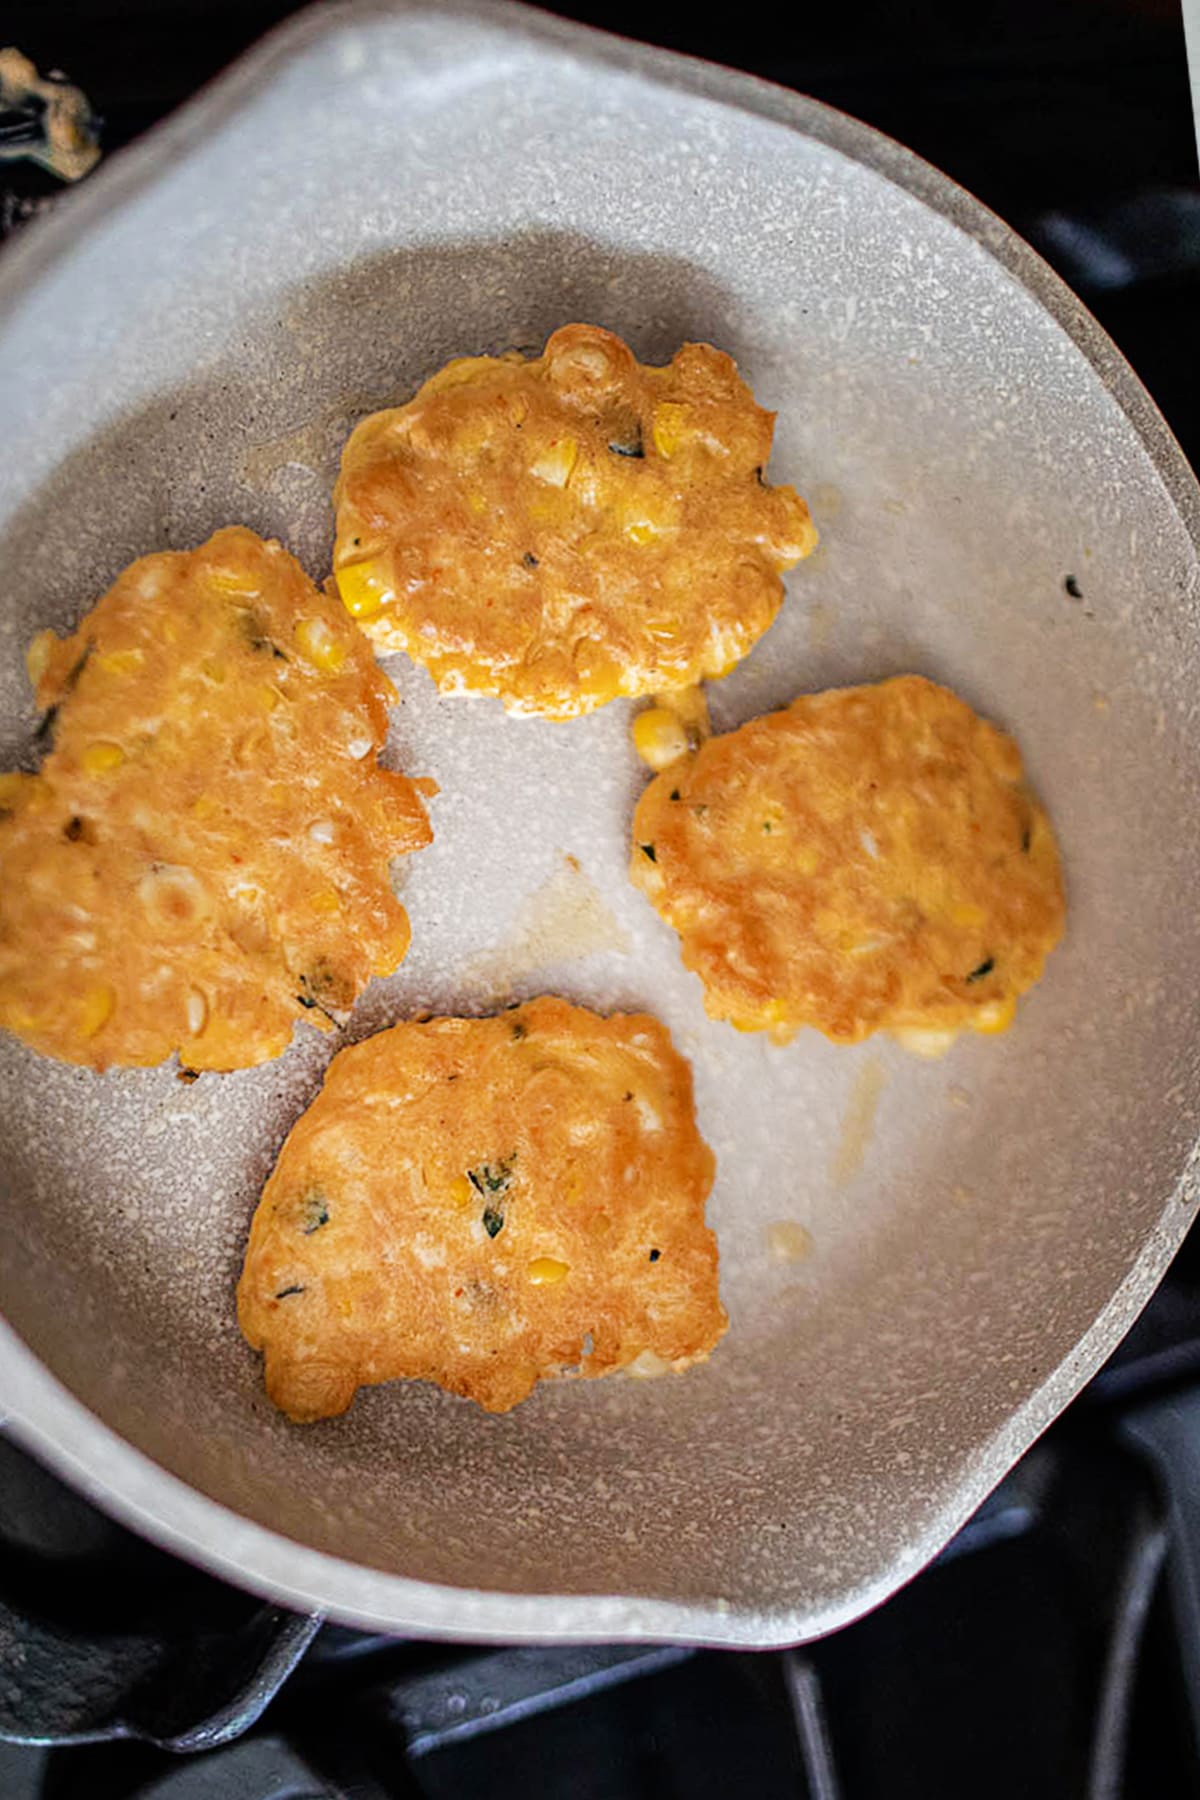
<point>395,187</point>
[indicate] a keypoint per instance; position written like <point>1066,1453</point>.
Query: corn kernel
<point>659,737</point>
<point>966,915</point>
<point>326,900</point>
<point>37,657</point>
<point>461,1193</point>
<point>121,662</point>
<point>393,952</point>
<point>690,705</point>
<point>803,539</point>
<point>641,531</point>
<point>214,670</point>
<point>363,589</point>
<point>204,807</point>
<point>996,1016</point>
<point>556,462</point>
<point>231,581</point>
<point>267,698</point>
<point>547,1271</point>
<point>318,644</point>
<point>174,899</point>
<point>669,427</point>
<point>597,674</point>
<point>101,758</point>
<point>95,1010</point>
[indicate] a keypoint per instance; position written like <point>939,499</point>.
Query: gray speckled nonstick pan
<point>185,344</point>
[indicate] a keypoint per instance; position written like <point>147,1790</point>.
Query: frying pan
<point>375,189</point>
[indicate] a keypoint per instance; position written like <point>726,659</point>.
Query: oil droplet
<point>563,919</point>
<point>788,1241</point>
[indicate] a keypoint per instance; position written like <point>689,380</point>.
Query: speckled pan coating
<point>379,188</point>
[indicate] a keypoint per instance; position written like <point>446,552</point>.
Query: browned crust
<point>567,529</point>
<point>203,857</point>
<point>868,859</point>
<point>441,1165</point>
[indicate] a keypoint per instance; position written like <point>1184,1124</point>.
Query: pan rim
<point>44,1416</point>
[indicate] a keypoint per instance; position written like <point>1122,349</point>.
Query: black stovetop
<point>1054,1649</point>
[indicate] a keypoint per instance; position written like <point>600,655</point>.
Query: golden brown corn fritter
<point>484,1203</point>
<point>203,857</point>
<point>565,530</point>
<point>867,859</point>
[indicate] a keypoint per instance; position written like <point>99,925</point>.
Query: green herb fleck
<point>650,851</point>
<point>1026,840</point>
<point>324,986</point>
<point>519,1031</point>
<point>985,968</point>
<point>654,1255</point>
<point>285,1292</point>
<point>675,794</point>
<point>530,560</point>
<point>256,634</point>
<point>46,724</point>
<point>492,1178</point>
<point>767,825</point>
<point>1073,588</point>
<point>630,444</point>
<point>314,1212</point>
